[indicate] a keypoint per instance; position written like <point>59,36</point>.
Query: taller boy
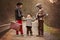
<point>18,15</point>
<point>40,17</point>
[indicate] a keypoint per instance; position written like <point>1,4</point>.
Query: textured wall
<point>54,13</point>
<point>7,10</point>
<point>29,7</point>
<point>52,9</point>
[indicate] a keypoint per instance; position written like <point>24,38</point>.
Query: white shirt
<point>28,21</point>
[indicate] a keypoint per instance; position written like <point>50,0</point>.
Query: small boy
<point>29,24</point>
<point>40,17</point>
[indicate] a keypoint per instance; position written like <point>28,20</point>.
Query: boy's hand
<point>46,14</point>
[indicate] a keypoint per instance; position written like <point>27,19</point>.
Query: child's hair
<point>19,3</point>
<point>28,16</point>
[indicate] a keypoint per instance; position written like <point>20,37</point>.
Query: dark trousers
<point>40,27</point>
<point>29,30</point>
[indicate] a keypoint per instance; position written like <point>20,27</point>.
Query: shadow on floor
<point>4,32</point>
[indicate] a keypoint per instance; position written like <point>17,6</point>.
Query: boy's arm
<point>44,13</point>
<point>36,16</point>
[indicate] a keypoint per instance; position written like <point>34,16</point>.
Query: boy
<point>18,15</point>
<point>40,17</point>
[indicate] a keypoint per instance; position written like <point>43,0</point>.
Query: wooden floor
<point>11,35</point>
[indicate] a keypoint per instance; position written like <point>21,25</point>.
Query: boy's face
<point>20,6</point>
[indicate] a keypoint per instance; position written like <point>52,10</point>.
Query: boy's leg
<point>17,32</point>
<point>39,28</point>
<point>42,30</point>
<point>39,25</point>
<point>21,30</point>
